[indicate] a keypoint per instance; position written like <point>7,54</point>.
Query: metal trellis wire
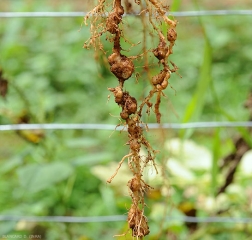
<point>116,218</point>
<point>82,14</point>
<point>87,126</point>
<point>91,126</point>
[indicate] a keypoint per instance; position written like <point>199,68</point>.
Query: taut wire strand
<point>115,218</point>
<point>83,14</point>
<point>91,126</point>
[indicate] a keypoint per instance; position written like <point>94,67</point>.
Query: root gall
<point>171,35</point>
<point>122,68</point>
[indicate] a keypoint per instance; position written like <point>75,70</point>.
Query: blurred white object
<point>246,163</point>
<point>177,169</point>
<point>190,154</point>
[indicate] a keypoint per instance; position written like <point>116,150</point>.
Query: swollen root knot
<point>134,184</point>
<point>160,81</point>
<point>171,35</point>
<point>121,66</point>
<point>161,51</point>
<point>114,19</point>
<point>118,94</point>
<point>129,105</point>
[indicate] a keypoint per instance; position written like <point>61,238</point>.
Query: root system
<point>107,18</point>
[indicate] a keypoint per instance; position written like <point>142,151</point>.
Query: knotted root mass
<point>131,111</point>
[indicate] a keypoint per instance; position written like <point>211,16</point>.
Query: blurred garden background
<point>204,172</point>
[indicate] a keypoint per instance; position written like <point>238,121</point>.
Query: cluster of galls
<point>136,219</point>
<point>137,222</point>
<point>125,101</point>
<point>162,52</point>
<point>160,81</point>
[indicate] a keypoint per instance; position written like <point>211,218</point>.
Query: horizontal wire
<point>115,218</point>
<point>61,219</point>
<point>91,126</point>
<point>83,14</point>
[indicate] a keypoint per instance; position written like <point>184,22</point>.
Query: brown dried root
<point>137,222</point>
<point>119,166</point>
<point>131,112</point>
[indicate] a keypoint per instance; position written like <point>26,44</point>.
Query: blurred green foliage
<point>53,79</point>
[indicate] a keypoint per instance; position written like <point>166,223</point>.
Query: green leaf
<point>35,177</point>
<point>6,227</point>
<point>10,164</point>
<point>196,105</point>
<point>93,158</point>
<point>82,142</point>
<point>216,155</point>
<point>108,198</point>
